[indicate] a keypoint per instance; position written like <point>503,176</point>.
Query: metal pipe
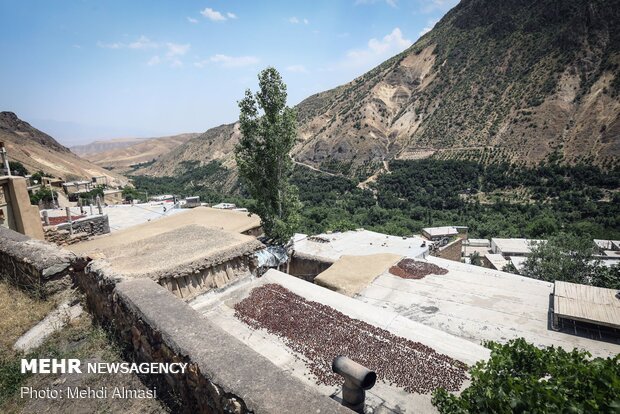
<point>357,379</point>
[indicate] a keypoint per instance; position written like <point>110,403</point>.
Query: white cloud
<point>110,45</point>
<point>216,16</point>
<point>143,43</point>
<point>295,20</point>
<point>434,5</point>
<point>175,49</point>
<point>192,20</point>
<point>77,46</point>
<point>391,44</point>
<point>392,3</point>
<point>429,26</point>
<point>228,61</point>
<point>155,60</point>
<point>376,52</point>
<point>297,69</point>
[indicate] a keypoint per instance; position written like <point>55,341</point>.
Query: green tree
<point>475,259</point>
<point>44,194</point>
<point>268,131</point>
<point>17,168</point>
<point>520,378</point>
<point>569,258</point>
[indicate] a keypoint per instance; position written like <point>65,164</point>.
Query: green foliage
<point>569,258</point>
<point>419,193</point>
<point>44,194</point>
<point>475,259</point>
<point>90,196</point>
<point>130,193</point>
<point>38,176</point>
<point>268,131</point>
<point>520,378</point>
<point>17,168</point>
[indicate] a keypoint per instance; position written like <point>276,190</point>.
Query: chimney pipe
<point>357,379</point>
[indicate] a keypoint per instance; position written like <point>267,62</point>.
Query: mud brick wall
<point>214,277</point>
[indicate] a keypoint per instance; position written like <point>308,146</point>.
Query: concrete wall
<point>224,375</point>
<point>21,216</point>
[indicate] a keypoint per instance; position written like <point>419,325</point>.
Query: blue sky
<point>84,70</point>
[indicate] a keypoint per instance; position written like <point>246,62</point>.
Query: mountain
<point>516,80</point>
<point>120,154</point>
<point>37,151</point>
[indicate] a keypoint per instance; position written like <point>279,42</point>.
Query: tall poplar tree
<point>268,131</point>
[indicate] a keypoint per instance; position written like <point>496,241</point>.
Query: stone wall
<point>224,375</point>
<point>152,325</point>
<point>40,267</point>
<point>83,229</point>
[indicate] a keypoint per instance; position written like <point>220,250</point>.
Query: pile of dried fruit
<point>320,333</point>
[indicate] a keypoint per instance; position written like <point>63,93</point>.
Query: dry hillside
<point>121,157</point>
<point>513,81</point>
<point>40,152</point>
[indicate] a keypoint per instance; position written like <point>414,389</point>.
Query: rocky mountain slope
<point>119,155</point>
<point>40,152</point>
<point>513,81</point>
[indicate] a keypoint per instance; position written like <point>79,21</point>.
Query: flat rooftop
<point>176,244</point>
<point>478,304</point>
<point>259,313</point>
<point>440,231</point>
<point>497,260</point>
<point>123,216</point>
<point>331,246</point>
<point>515,246</point>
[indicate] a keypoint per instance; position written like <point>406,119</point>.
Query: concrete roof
<point>330,247</point>
<point>478,304</point>
<point>518,261</point>
<point>477,242</point>
<point>350,274</point>
<point>440,231</point>
<point>516,246</point>
<point>385,398</point>
<point>586,303</point>
<point>496,260</point>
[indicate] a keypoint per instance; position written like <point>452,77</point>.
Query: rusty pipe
<point>357,379</point>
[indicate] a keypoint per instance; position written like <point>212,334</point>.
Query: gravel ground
<point>412,269</point>
<point>320,333</point>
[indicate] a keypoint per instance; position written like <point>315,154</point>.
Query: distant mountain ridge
<point>120,154</point>
<point>38,151</point>
<point>515,80</point>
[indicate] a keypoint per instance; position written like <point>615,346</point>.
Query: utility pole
<point>5,159</point>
